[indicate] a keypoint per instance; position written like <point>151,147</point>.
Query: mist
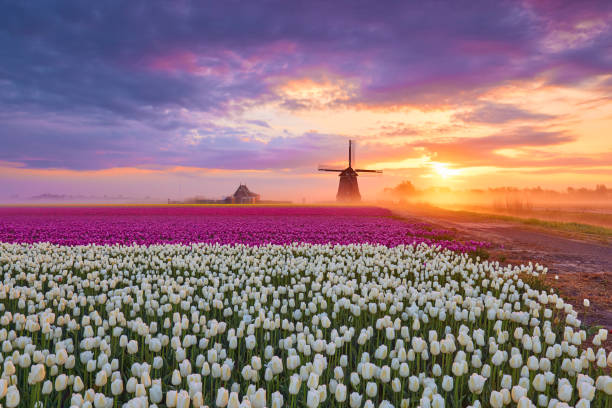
<point>586,205</point>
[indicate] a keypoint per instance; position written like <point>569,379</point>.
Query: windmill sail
<point>329,167</point>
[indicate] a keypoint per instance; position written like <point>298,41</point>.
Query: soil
<point>579,267</point>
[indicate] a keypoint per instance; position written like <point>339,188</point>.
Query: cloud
<point>136,58</point>
<point>67,143</point>
<point>100,85</point>
<point>261,123</point>
<point>483,150</point>
<point>487,151</point>
<point>499,113</point>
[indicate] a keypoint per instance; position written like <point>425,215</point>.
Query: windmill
<point>348,189</point>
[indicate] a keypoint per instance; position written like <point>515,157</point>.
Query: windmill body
<point>348,188</point>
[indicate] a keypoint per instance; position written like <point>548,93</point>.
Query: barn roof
<point>243,191</point>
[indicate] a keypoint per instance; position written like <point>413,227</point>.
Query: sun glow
<point>444,171</point>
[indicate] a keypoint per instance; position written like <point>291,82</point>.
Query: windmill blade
<point>368,171</point>
<point>352,157</point>
<point>323,167</point>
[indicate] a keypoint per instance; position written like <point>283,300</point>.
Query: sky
<point>182,98</point>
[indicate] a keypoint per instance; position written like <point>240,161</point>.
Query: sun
<point>443,170</point>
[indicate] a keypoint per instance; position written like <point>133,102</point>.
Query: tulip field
<point>277,307</point>
<point>217,224</point>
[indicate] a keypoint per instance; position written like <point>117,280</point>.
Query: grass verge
<point>569,227</point>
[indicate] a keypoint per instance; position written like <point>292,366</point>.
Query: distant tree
<point>403,189</point>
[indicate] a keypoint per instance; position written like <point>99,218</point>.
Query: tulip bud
<point>385,374</point>
<point>176,378</point>
<point>340,393</point>
<point>12,397</point>
<point>37,374</point>
<point>586,391</point>
<point>171,398</point>
<point>539,382</point>
<point>101,379</point>
<point>371,389</point>
<point>496,399</point>
<point>47,387</point>
<point>517,393</point>
<point>312,399</point>
<point>476,383</point>
<point>61,381</point>
<point>117,387</point>
<point>355,400</point>
<point>155,393</point>
<point>222,397</point>
<point>182,399</point>
<point>313,381</point>
<point>565,392</point>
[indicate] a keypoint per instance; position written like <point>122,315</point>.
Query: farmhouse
<point>243,196</point>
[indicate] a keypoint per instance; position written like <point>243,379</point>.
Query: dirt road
<point>583,265</point>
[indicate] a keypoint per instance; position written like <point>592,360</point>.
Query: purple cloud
<point>498,113</point>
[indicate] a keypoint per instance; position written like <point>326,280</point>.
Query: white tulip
<point>371,389</point>
<point>385,374</point>
<point>496,399</point>
<point>61,381</point>
<point>396,385</point>
<point>222,397</point>
<point>155,393</point>
<point>130,386</point>
<point>586,391</point>
<point>539,382</point>
<point>447,383</point>
<point>517,393</point>
<point>171,398</point>
<point>12,397</point>
<point>3,387</point>
<point>340,393</point>
<point>117,387</point>
<point>182,399</point>
<point>277,400</point>
<point>565,392</point>
<point>176,378</point>
<point>47,387</point>
<point>37,374</point>
<point>437,401</point>
<point>312,399</point>
<point>101,379</point>
<point>355,400</point>
<point>99,400</point>
<point>313,381</point>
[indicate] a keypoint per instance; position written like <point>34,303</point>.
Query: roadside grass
<point>595,231</point>
<point>599,232</point>
<point>603,218</point>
